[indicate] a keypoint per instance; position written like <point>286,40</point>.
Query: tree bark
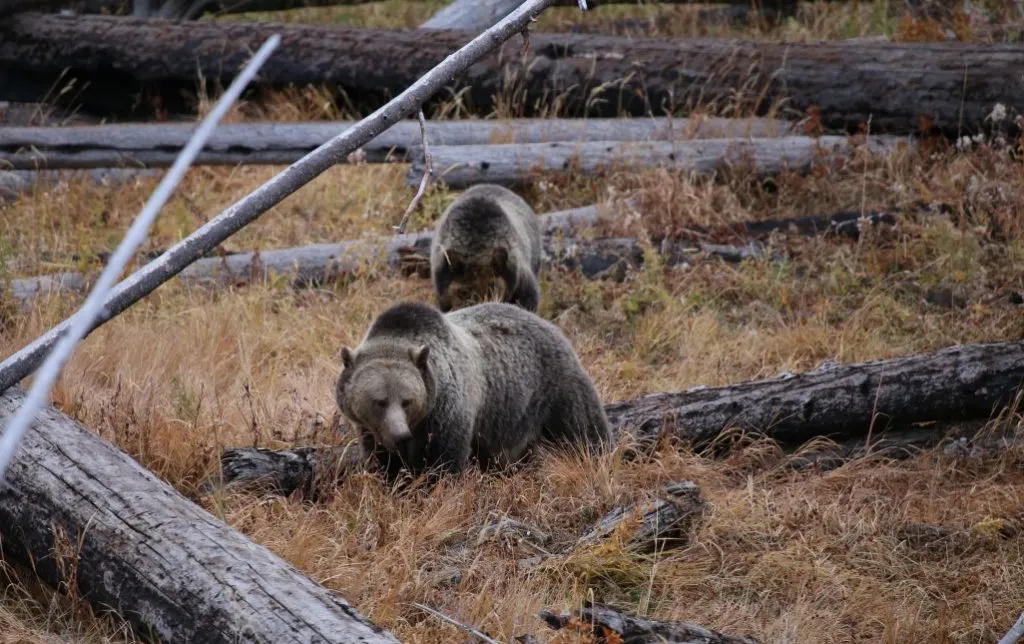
<point>138,546</point>
<point>595,618</point>
<point>514,164</point>
<point>952,85</point>
<point>962,382</point>
<point>157,145</point>
<point>882,400</point>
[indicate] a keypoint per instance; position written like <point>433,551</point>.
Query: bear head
<point>386,395</point>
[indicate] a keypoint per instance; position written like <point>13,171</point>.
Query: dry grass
<point>787,557</point>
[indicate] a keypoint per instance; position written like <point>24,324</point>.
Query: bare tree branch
<point>428,172</point>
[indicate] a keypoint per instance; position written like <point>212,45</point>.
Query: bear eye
<point>406,403</point>
<point>380,403</point>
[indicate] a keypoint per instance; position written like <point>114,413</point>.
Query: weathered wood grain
<point>163,563</point>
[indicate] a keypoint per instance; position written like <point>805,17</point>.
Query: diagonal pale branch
<point>80,323</point>
<point>271,193</point>
<point>428,172</point>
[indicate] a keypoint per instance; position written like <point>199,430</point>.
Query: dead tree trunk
<point>514,164</point>
<point>959,383</point>
<point>138,546</point>
<point>963,382</point>
<point>310,266</point>
<point>157,145</point>
<point>118,60</point>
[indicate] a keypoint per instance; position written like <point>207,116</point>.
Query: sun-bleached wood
<point>163,563</point>
<point>514,164</point>
<point>157,144</point>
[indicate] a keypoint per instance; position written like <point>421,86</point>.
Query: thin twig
<point>428,170</point>
<point>93,308</point>
<point>1014,633</point>
<point>249,208</point>
<point>468,629</point>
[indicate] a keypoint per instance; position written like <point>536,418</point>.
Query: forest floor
<point>782,555</point>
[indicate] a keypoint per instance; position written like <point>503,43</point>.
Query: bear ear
<point>419,356</point>
<point>346,357</point>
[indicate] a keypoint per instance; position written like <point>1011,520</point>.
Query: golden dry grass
<point>785,556</point>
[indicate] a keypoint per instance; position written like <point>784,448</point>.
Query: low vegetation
<point>924,549</point>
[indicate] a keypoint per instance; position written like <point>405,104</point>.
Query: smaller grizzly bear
<point>488,234</point>
<point>431,391</point>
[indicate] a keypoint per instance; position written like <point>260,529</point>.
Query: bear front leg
<point>449,446</point>
<point>443,276</point>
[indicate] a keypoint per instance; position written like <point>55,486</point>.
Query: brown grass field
<point>784,556</point>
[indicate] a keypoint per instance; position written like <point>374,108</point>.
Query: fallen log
<point>312,266</point>
<point>515,164</point>
<point>120,66</point>
<point>141,548</point>
<point>877,399</point>
<point>14,183</point>
<point>480,14</point>
<point>599,621</point>
<point>222,7</point>
<point>157,145</point>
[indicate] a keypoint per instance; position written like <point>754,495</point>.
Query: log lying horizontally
<point>318,264</point>
<point>514,164</point>
<point>140,547</point>
<point>954,85</point>
<point>964,382</point>
<point>157,145</point>
<point>14,183</point>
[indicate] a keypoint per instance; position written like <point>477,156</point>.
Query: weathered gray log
<point>163,563</point>
<point>157,145</point>
<point>113,60</point>
<point>14,183</point>
<point>876,398</point>
<point>310,266</point>
<point>221,7</point>
<point>633,629</point>
<point>318,264</point>
<point>962,382</point>
<point>515,164</point>
<point>665,523</point>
